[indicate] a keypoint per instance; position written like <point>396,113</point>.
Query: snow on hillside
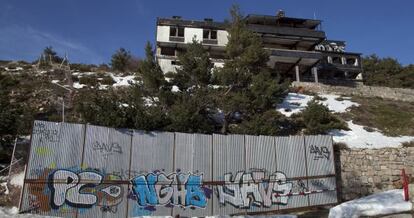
<point>118,80</point>
<point>384,203</point>
<point>122,80</point>
<point>357,137</point>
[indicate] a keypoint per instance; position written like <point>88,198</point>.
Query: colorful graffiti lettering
<point>250,188</point>
<point>177,189</point>
<point>82,190</point>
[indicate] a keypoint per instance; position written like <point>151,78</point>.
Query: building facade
<point>298,47</point>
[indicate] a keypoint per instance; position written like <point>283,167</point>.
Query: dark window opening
<point>173,31</point>
<point>205,34</point>
<point>177,63</point>
<point>336,60</point>
<point>168,51</point>
<point>213,34</point>
<point>351,61</point>
<point>177,31</point>
<point>180,31</point>
<point>210,34</point>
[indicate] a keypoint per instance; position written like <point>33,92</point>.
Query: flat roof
<point>275,20</point>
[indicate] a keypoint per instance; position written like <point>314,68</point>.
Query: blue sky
<point>91,30</point>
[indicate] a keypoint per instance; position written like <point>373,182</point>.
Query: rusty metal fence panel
<point>79,170</point>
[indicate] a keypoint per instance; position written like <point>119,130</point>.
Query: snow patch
<point>358,137</point>
<point>77,85</point>
<point>335,105</point>
<point>55,81</point>
<point>122,80</point>
<point>6,212</point>
<point>388,202</point>
<point>17,179</point>
<point>295,103</point>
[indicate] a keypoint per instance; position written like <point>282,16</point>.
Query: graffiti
<point>318,183</point>
<point>181,189</point>
<point>332,46</point>
<point>82,190</point>
<point>320,152</point>
<point>250,188</point>
<point>107,148</point>
<point>45,135</point>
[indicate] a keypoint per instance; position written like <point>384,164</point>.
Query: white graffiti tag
<point>251,188</point>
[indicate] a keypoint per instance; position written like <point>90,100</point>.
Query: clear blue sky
<point>91,30</point>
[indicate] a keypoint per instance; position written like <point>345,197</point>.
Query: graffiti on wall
<point>245,189</point>
<point>319,152</point>
<point>71,187</point>
<point>180,189</point>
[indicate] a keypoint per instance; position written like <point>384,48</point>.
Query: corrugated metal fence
<point>77,170</point>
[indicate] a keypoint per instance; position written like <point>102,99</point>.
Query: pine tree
<point>50,55</point>
<point>10,117</point>
<point>249,86</point>
<point>120,60</point>
<point>193,109</point>
<point>318,119</point>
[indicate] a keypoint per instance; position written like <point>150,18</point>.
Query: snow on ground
<point>295,103</point>
<point>55,81</point>
<point>77,85</point>
<point>17,179</point>
<point>357,137</point>
<point>388,202</point>
<point>122,80</point>
<point>6,212</point>
<point>4,185</point>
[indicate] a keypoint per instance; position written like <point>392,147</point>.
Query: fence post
<point>405,185</point>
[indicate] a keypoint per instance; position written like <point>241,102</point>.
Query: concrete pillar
<point>297,73</point>
<point>315,73</point>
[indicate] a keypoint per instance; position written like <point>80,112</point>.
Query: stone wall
<point>359,89</point>
<point>366,171</point>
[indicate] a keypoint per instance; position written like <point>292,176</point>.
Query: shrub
<point>319,120</point>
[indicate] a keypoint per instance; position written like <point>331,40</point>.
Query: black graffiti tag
<point>320,152</point>
<point>107,148</point>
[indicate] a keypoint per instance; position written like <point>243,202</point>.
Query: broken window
<point>176,31</point>
<point>210,34</point>
<point>352,61</point>
<point>336,60</point>
<point>168,51</point>
<point>176,62</point>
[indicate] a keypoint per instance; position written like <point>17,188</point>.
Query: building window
<point>337,60</point>
<point>176,31</point>
<point>210,34</point>
<point>168,51</point>
<point>352,61</point>
<point>176,63</point>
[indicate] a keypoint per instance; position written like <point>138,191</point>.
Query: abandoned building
<point>298,47</point>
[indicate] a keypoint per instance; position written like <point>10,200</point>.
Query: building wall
<point>163,33</point>
<point>190,33</point>
<point>222,37</point>
<point>367,171</point>
<point>165,64</point>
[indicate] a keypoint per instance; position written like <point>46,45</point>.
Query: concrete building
<point>298,47</point>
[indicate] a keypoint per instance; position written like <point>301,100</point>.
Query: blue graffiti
<point>155,189</point>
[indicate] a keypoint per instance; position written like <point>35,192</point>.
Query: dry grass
<point>393,118</point>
